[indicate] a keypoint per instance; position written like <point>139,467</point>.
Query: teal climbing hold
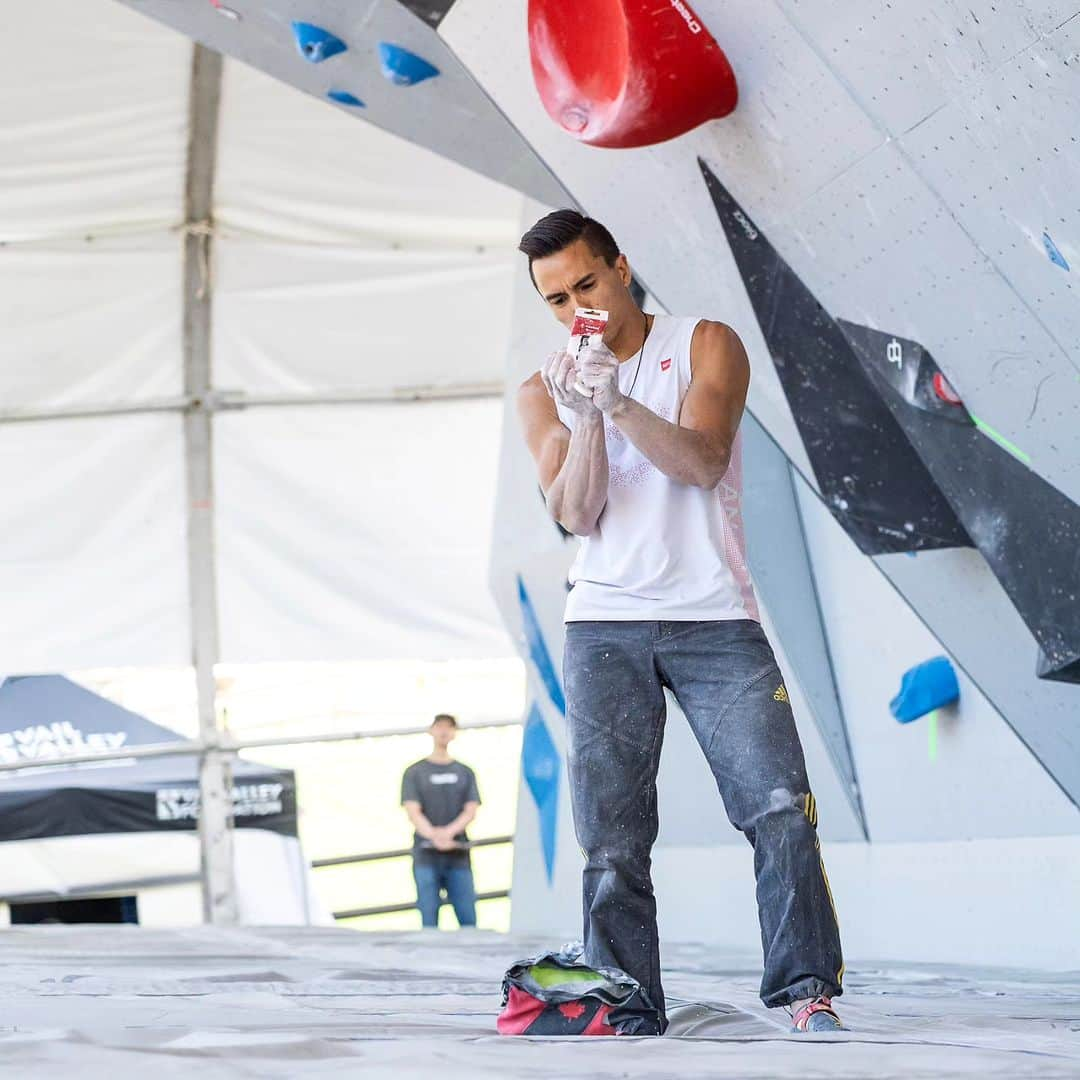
<point>540,765</point>
<point>924,688</point>
<point>404,68</point>
<point>315,43</point>
<point>343,97</point>
<point>1055,255</point>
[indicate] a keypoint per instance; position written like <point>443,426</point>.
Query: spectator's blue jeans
<point>725,678</point>
<point>436,872</point>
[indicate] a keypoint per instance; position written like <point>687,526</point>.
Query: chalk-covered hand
<point>599,372</point>
<point>559,377</point>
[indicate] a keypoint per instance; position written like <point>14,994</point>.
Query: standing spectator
<point>441,798</point>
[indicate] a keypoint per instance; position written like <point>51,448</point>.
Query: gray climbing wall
<point>911,169</point>
<point>447,113</point>
<point>926,208</point>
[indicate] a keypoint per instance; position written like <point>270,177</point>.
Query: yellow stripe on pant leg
<point>812,806</point>
<point>828,889</point>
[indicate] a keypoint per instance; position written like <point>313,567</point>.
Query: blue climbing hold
<point>924,688</point>
<point>404,68</point>
<point>1052,250</point>
<point>343,97</point>
<point>538,650</point>
<point>315,43</point>
<point>540,764</point>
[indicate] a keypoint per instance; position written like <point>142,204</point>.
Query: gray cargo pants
<point>725,678</point>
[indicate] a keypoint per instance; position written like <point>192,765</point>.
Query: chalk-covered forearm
<point>686,456</point>
<point>578,494</point>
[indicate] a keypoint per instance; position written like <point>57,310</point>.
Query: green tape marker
<point>1000,439</point>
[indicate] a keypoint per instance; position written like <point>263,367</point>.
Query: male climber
<point>641,461</point>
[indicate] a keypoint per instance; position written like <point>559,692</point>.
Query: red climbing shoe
<point>816,1015</point>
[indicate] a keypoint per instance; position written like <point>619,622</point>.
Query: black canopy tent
<point>45,718</point>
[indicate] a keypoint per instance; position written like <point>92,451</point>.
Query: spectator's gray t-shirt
<point>442,792</point>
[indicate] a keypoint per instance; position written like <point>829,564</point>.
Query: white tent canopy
<point>351,275</point>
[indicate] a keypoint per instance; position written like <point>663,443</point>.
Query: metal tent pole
<point>215,773</point>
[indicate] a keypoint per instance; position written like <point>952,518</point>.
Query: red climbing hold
<point>624,73</point>
<point>945,391</point>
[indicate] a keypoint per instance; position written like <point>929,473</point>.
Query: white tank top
<point>661,550</point>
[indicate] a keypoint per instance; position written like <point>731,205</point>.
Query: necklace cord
<point>641,354</point>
